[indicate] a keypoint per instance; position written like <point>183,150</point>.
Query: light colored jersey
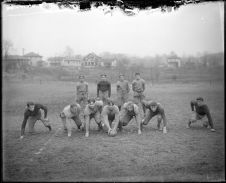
<point>67,112</point>
<point>138,85</point>
<point>122,87</point>
<point>134,112</point>
<point>97,108</point>
<point>82,87</point>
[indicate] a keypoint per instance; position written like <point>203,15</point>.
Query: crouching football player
<point>200,111</point>
<point>69,113</point>
<point>93,110</point>
<point>128,112</point>
<point>32,114</point>
<point>110,116</point>
<point>154,109</point>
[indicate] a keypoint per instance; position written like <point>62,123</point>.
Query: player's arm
<point>105,118</point>
<point>117,87</point>
<point>162,112</point>
<point>207,111</point>
<point>193,103</point>
<point>26,116</point>
<point>133,85</point>
<point>137,118</point>
<point>109,89</point>
<point>98,89</point>
<point>128,88</point>
<point>44,108</point>
<point>143,85</point>
<point>87,88</point>
<point>116,118</point>
<point>77,89</point>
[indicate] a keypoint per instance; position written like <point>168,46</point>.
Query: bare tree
<point>7,47</point>
<point>69,52</point>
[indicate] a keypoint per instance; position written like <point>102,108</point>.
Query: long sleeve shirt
<point>138,85</point>
<point>69,114</point>
<point>28,113</point>
<point>104,86</point>
<point>122,87</point>
<point>159,111</point>
<point>82,87</point>
<point>201,110</point>
<point>98,106</point>
<point>134,112</point>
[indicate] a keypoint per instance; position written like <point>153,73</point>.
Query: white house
<point>34,58</point>
<point>55,61</point>
<point>174,62</point>
<point>72,61</point>
<point>91,60</point>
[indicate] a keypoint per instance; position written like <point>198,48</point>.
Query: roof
<point>92,56</point>
<point>32,54</point>
<point>16,57</point>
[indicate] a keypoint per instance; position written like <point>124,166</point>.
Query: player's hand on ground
<point>139,132</point>
<point>164,130</point>
<point>21,137</point>
<point>87,134</point>
<point>109,130</point>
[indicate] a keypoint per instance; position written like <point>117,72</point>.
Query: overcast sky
<point>47,30</point>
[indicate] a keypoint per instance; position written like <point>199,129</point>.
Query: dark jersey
<point>201,110</point>
<point>104,86</point>
<point>28,113</point>
<point>159,111</point>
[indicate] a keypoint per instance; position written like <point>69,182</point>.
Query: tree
<point>69,52</point>
<point>7,47</point>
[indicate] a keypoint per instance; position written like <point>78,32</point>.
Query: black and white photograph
<point>113,91</point>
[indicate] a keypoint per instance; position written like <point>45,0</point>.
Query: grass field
<point>182,154</point>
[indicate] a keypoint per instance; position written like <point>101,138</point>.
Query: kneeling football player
<point>32,114</point>
<point>69,113</point>
<point>154,109</point>
<point>93,110</point>
<point>200,111</point>
<point>129,111</point>
<point>110,116</point>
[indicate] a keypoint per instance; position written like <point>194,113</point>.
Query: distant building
<point>174,62</point>
<point>72,62</point>
<point>34,58</point>
<point>13,62</point>
<point>91,60</point>
<point>55,61</point>
<point>108,63</point>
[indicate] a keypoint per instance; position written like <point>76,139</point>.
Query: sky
<point>47,30</point>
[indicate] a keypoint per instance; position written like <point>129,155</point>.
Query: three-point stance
<point>32,114</point>
<point>128,112</point>
<point>93,110</point>
<point>153,109</point>
<point>110,115</point>
<point>103,88</point>
<point>69,113</point>
<point>200,111</point>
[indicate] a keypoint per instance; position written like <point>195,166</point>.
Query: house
<point>75,61</point>
<point>55,61</point>
<point>173,62</point>
<point>91,60</point>
<point>34,58</point>
<point>108,63</point>
<point>13,62</point>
